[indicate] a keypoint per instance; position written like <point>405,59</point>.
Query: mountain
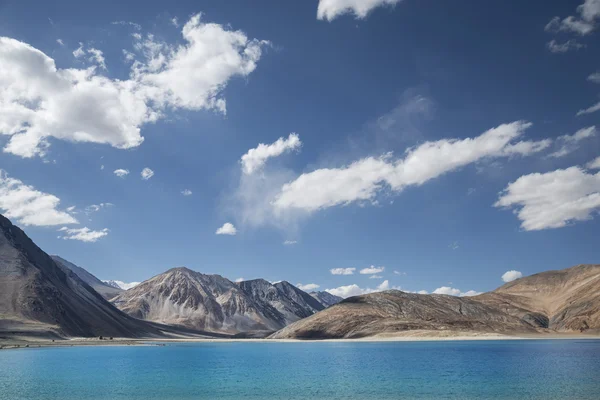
<point>107,291</point>
<point>554,301</point>
<point>393,311</point>
<point>39,297</point>
<point>112,284</point>
<point>325,298</point>
<point>564,301</point>
<point>188,298</point>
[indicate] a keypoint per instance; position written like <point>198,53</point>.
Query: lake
<point>520,369</point>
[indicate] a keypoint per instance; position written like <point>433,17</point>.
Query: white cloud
<point>226,229</point>
<point>39,101</point>
<point>28,206</point>
<point>595,164</point>
<point>399,273</point>
<point>595,77</point>
<point>124,285</point>
<point>453,246</point>
<point>450,291</point>
<point>355,290</point>
<point>96,207</point>
<point>175,22</point>
<point>589,110</point>
<point>147,173</point>
<point>559,48</point>
<point>570,143</point>
<point>510,276</point>
<point>59,41</point>
<point>422,292</point>
<point>135,26</point>
<point>255,158</point>
<point>342,271</point>
<point>331,9</point>
<point>363,179</point>
<point>239,280</point>
<point>82,234</point>
<point>553,199</point>
<point>372,270</point>
<point>308,287</point>
<point>584,24</point>
<point>79,52</point>
<point>186,192</point>
<point>375,277</point>
<point>121,173</point>
<point>290,242</point>
<point>97,56</point>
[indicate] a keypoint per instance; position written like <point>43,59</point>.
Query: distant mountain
<point>112,284</point>
<point>39,297</point>
<point>325,298</point>
<point>393,311</point>
<point>107,291</point>
<point>188,298</point>
<point>563,301</point>
<point>554,301</point>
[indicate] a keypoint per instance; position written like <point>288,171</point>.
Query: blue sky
<point>447,143</point>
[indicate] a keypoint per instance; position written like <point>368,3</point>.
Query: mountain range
<point>48,296</point>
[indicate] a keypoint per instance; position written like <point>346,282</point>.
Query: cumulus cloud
<point>595,164</point>
<point>227,229</point>
<point>372,270</point>
<point>147,173</point>
<point>308,287</point>
<point>562,47</point>
<point>290,242</point>
<point>82,234</point>
<point>553,199</point>
<point>255,158</point>
<point>239,280</point>
<point>331,9</point>
<point>569,143</point>
<point>29,206</point>
<point>121,173</point>
<point>342,271</point>
<point>510,276</point>
<point>355,290</point>
<point>363,179</point>
<point>450,291</point>
<point>582,24</point>
<point>40,101</point>
<point>186,192</point>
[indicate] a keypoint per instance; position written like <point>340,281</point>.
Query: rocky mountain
<point>553,301</point>
<point>107,291</point>
<point>188,298</point>
<point>564,301</point>
<point>112,284</point>
<point>393,311</point>
<point>325,298</point>
<point>39,297</point>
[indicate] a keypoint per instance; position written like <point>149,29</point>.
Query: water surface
<point>531,369</point>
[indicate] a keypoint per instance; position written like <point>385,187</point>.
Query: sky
<point>341,145</point>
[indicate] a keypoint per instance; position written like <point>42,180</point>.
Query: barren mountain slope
<point>395,311</point>
<point>107,291</point>
<point>565,300</point>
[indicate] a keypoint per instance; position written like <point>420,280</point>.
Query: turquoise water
<point>548,369</point>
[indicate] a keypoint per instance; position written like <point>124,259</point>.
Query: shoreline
<point>8,344</point>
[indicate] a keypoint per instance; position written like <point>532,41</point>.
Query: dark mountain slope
<point>107,291</point>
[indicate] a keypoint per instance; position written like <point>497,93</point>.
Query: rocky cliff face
<point>210,302</point>
<point>325,298</point>
<point>394,311</point>
<point>38,297</point>
<point>107,291</point>
<point>564,301</point>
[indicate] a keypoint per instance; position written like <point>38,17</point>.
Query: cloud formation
<point>569,143</point>
<point>227,229</point>
<point>372,270</point>
<point>562,47</point>
<point>450,291</point>
<point>363,179</point>
<point>355,290</point>
<point>342,271</point>
<point>553,199</point>
<point>255,158</point>
<point>147,173</point>
<point>121,173</point>
<point>331,9</point>
<point>40,101</point>
<point>28,206</point>
<point>308,287</point>
<point>582,24</point>
<point>511,275</point>
<point>82,234</point>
